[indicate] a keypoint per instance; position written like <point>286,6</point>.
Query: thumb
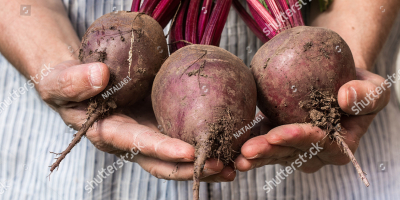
<point>72,82</point>
<point>368,95</point>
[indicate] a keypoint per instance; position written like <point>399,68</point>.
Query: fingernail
<point>96,76</point>
<point>256,156</point>
<point>208,172</point>
<point>351,96</point>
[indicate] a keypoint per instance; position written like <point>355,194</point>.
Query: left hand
<point>292,144</point>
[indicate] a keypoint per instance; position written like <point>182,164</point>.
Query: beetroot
<point>202,95</point>
<point>123,41</point>
<point>293,62</point>
<point>109,40</point>
<point>300,70</point>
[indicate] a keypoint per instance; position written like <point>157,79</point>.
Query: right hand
<point>66,89</point>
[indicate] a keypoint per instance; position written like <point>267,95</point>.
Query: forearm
<point>362,24</point>
<point>29,42</point>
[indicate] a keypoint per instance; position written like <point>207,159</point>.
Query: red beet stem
<point>279,19</point>
<point>135,5</point>
<point>264,15</point>
<point>211,28</point>
<point>298,18</point>
<point>269,31</point>
<point>250,22</point>
<point>166,18</point>
<point>222,19</point>
<point>165,10</point>
<point>285,8</point>
<point>274,8</point>
<point>177,32</point>
<point>191,21</point>
<point>149,6</point>
<point>204,17</point>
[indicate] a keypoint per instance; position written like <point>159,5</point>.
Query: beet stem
<point>173,19</point>
<point>164,8</point>
<point>178,33</point>
<point>204,17</point>
<point>148,6</point>
<point>348,152</point>
<point>135,5</point>
<point>250,22</point>
<point>210,30</point>
<point>263,14</point>
<point>222,19</point>
<point>78,136</point>
<point>191,21</point>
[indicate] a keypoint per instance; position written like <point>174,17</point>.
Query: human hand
<point>295,144</point>
<point>67,88</point>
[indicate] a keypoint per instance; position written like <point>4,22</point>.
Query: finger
<point>299,136</point>
<point>228,174</point>
<point>366,96</point>
<point>304,161</point>
<point>123,133</point>
<point>259,147</point>
<point>171,170</point>
<point>243,164</point>
<point>74,83</point>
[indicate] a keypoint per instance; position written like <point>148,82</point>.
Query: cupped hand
<point>306,147</point>
<point>68,87</point>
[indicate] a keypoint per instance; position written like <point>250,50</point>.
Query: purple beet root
<point>202,95</point>
<point>133,47</point>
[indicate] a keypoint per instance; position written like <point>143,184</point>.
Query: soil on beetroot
<point>218,144</point>
<point>221,138</point>
<point>325,113</point>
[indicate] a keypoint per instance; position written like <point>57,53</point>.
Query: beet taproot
<point>202,95</point>
<point>133,47</point>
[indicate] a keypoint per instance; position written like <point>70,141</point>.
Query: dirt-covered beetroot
<point>110,41</point>
<point>133,47</point>
<point>293,62</point>
<point>300,70</point>
<point>202,95</point>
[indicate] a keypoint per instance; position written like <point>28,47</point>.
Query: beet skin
<point>108,40</point>
<point>293,62</point>
<point>202,95</point>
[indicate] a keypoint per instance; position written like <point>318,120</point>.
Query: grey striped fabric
<point>29,129</point>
